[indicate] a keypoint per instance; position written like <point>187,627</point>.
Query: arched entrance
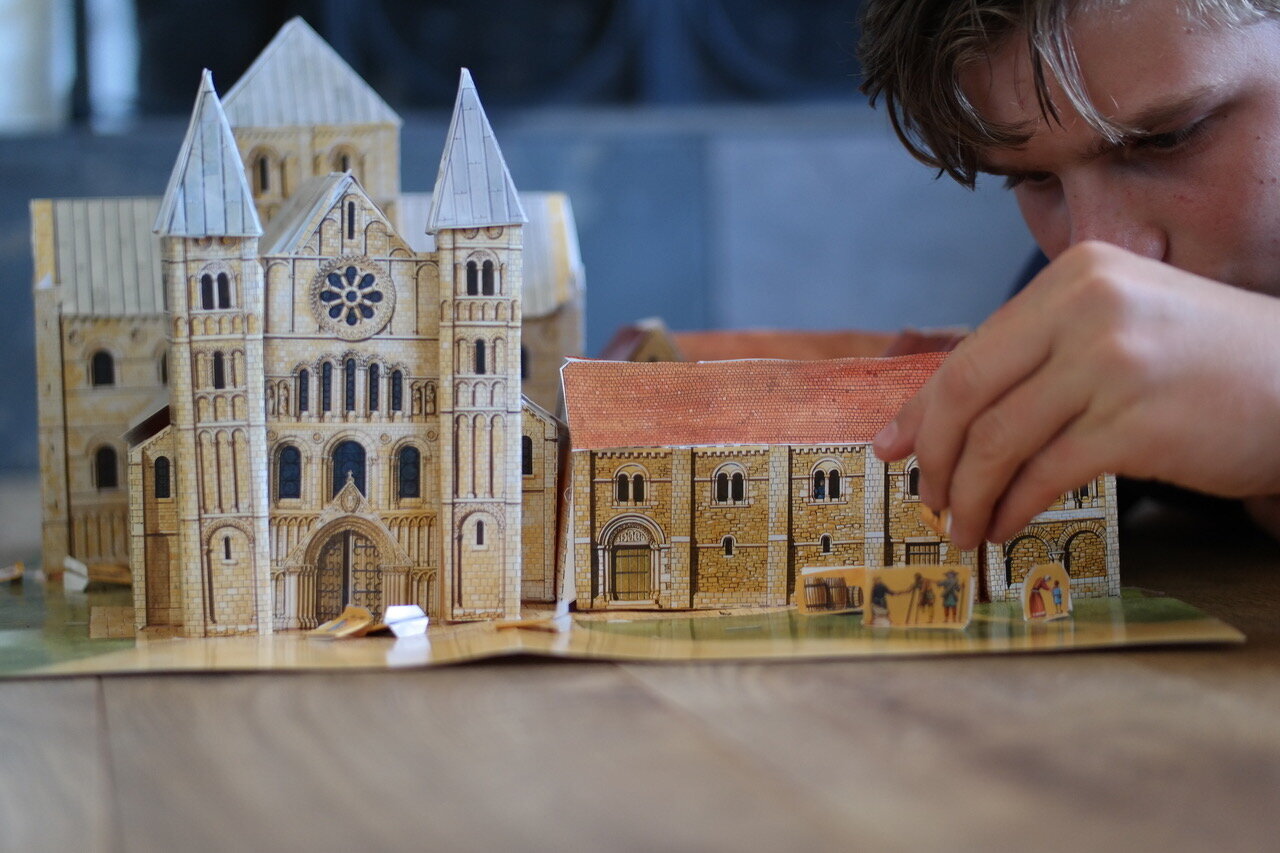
<point>632,554</point>
<point>348,571</point>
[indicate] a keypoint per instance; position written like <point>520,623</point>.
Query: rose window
<point>351,295</point>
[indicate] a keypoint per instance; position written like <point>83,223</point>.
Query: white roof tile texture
<point>473,187</point>
<point>300,81</point>
<point>208,195</point>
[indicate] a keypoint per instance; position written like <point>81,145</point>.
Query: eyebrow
<point>1149,120</point>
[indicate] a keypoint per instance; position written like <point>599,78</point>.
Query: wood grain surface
<point>1136,750</point>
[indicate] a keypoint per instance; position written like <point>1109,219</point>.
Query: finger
<point>1074,457</point>
<point>1002,439</point>
<point>1012,342</point>
<point>897,438</point>
<point>978,373</point>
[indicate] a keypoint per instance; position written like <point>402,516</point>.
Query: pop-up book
<point>285,391</point>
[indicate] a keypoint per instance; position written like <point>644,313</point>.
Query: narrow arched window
<point>326,387</point>
<point>289,473</point>
<point>348,458</point>
<point>819,485</point>
<point>264,173</point>
<point>206,292</point>
<point>486,278</point>
<point>224,290</point>
<point>410,470</point>
<point>102,369</point>
<point>480,360</point>
<point>479,532</point>
<point>304,390</point>
<point>397,391</point>
<point>722,488</point>
<point>349,385</point>
<point>526,455</point>
<point>226,547</point>
<point>374,376</point>
<point>473,279</point>
<point>637,488</point>
<point>344,162</point>
<point>833,484</point>
<point>826,544</point>
<point>164,368</point>
<point>624,489</point>
<point>219,371</point>
<point>727,542</point>
<point>160,478</point>
<point>524,362</point>
<point>738,488</point>
<point>106,474</point>
<point>913,481</point>
<point>351,218</point>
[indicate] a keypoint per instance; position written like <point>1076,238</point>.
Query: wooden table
<point>1137,750</point>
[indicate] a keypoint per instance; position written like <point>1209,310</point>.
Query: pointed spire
<point>473,188</point>
<point>208,195</point>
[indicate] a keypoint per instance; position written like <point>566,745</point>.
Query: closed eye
<point>1032,179</point>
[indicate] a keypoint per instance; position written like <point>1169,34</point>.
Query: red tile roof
<point>768,343</point>
<point>680,404</point>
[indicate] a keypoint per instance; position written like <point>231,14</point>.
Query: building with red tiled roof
<point>713,484</point>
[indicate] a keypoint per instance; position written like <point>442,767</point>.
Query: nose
<point>1118,220</point>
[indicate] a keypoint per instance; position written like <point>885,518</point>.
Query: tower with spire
<point>209,229</point>
<point>477,221</point>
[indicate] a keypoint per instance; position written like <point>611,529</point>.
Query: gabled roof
<point>208,195</point>
<point>473,187</point>
<point>300,81</point>
<point>617,404</point>
<point>315,196</point>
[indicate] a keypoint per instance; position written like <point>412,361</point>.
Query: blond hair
<point>913,51</point>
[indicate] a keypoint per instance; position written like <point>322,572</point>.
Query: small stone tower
<point>209,232</point>
<point>477,221</point>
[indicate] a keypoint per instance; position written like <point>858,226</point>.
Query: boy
<point>1142,141</point>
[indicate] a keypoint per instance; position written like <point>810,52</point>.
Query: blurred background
<point>723,168</point>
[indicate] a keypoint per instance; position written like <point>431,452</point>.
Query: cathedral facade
<point>300,119</point>
<point>345,422</point>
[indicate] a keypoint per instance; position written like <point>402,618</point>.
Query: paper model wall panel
<point>540,474</point>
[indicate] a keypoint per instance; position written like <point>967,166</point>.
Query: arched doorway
<point>348,572</point>
<point>631,565</point>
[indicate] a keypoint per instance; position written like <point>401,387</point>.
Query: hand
<point>1107,361</point>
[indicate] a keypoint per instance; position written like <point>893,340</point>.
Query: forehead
<point>1132,56</point>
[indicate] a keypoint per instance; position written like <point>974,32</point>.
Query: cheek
<point>1046,219</point>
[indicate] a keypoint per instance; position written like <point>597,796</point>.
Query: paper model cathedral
<point>312,384</point>
<point>315,407</point>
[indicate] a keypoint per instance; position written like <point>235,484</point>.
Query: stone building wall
<point>733,574</point>
<point>841,518</point>
<point>540,487</point>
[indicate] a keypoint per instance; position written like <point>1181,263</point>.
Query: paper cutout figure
<point>820,589</point>
<point>938,522</point>
<point>1046,593</point>
<point>924,596</point>
<point>909,597</point>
